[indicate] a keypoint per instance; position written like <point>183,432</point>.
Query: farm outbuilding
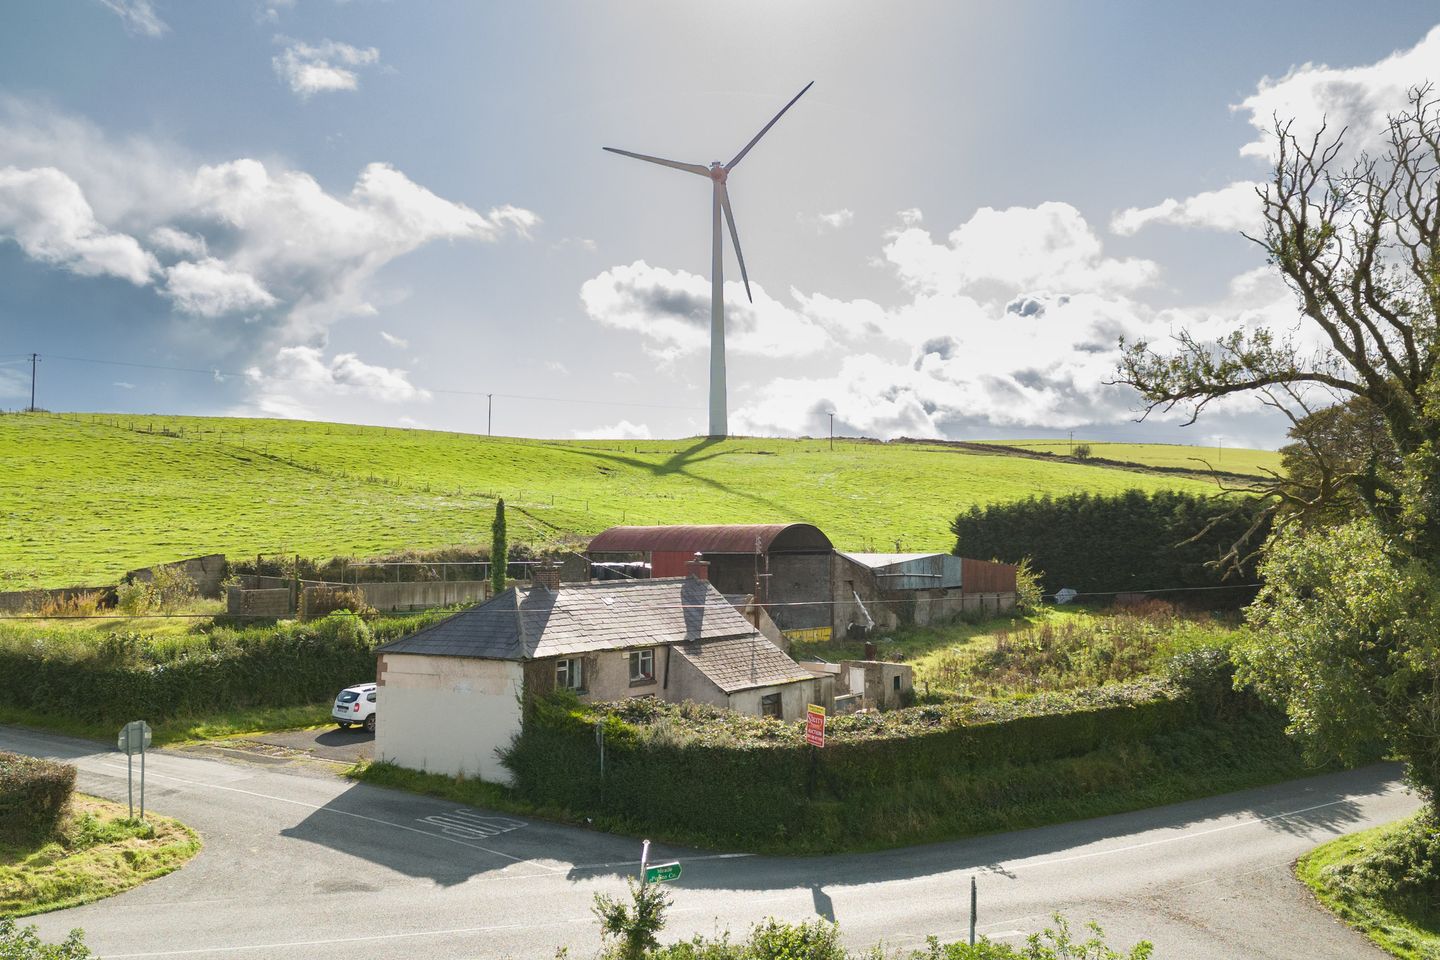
<point>881,591</point>
<point>786,566</point>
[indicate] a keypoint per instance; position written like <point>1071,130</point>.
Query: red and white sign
<point>815,725</point>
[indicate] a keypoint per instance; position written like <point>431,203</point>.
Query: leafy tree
<point>499,548</point>
<point>1350,613</point>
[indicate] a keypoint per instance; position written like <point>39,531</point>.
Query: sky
<point>382,212</point>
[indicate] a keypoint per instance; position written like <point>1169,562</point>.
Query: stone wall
<point>207,572</point>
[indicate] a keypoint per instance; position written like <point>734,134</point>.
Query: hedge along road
<point>301,866</point>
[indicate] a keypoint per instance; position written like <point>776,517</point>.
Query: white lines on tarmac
<point>343,813</point>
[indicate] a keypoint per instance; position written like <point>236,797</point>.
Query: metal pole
<point>832,431</point>
<point>129,776</point>
<point>142,776</point>
<point>718,424</point>
<point>34,359</point>
<point>489,408</point>
<point>644,862</point>
<point>973,898</point>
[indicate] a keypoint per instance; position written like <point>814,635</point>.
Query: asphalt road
<point>299,865</point>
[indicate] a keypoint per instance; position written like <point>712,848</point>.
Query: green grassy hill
<point>84,498</point>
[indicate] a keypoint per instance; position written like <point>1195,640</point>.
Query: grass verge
<point>228,723</point>
<point>96,854</point>
<point>1202,762</point>
<point>1330,872</point>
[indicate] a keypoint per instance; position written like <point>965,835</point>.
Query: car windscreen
<point>349,696</point>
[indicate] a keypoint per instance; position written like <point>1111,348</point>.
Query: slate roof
<point>742,663</point>
<point>526,623</point>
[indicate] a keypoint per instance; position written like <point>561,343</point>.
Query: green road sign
<point>662,872</point>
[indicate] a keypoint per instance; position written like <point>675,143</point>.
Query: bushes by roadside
<point>125,674</point>
<point>34,796</point>
<point>699,775</point>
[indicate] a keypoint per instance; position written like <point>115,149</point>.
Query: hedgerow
<point>34,796</point>
<point>908,775</point>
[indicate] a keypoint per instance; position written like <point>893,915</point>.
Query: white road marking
<point>467,823</point>
<point>343,813</point>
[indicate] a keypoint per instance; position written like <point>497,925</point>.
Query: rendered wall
<point>447,714</point>
<point>794,697</point>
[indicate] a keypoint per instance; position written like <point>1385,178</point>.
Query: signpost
<point>656,873</point>
<point>815,725</point>
<point>134,738</point>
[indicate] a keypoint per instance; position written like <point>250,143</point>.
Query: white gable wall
<point>447,714</point>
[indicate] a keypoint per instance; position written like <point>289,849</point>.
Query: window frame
<point>777,700</point>
<point>574,668</point>
<point>636,659</point>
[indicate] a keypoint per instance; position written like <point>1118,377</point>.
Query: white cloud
<point>123,385</point>
<point>1356,98</point>
<point>212,288</point>
<point>45,212</point>
<point>302,376</point>
<point>14,384</point>
<point>139,16</point>
<point>557,368</point>
<point>624,430</point>
<point>911,216</point>
<point>170,240</point>
<point>324,67</point>
<point>1232,208</point>
<point>834,220</point>
<point>671,311</point>
<point>1018,248</point>
<point>393,340</point>
<point>74,197</point>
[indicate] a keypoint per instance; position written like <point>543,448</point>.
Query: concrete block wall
<point>207,572</point>
<point>258,603</point>
<point>423,595</point>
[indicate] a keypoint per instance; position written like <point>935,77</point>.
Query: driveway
<point>303,866</point>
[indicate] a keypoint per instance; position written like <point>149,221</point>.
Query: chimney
<point>545,574</point>
<point>698,568</point>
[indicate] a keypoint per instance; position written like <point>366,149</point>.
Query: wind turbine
<point>718,173</point>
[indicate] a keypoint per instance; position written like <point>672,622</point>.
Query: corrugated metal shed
<point>911,571</point>
<point>713,539</point>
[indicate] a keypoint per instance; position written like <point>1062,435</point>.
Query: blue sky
<point>380,211</point>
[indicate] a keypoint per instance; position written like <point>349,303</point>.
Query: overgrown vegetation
<point>34,796</point>
<point>631,931</point>
<point>95,851</point>
<point>211,672</point>
<point>914,775</point>
<point>166,590</point>
<point>23,943</point>
<point>1385,882</point>
<point>1096,543</point>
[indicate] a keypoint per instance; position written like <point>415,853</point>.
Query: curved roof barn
<point>714,539</point>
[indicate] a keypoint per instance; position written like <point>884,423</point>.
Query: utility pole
<point>489,408</point>
<point>832,429</point>
<point>34,359</point>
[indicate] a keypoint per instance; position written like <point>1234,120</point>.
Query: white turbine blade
<point>687,167</point>
<point>741,155</point>
<point>734,237</point>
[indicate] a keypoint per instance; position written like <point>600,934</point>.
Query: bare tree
<point>1356,240</point>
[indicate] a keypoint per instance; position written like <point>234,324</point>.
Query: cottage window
<point>770,706</point>
<point>570,674</point>
<point>642,666</point>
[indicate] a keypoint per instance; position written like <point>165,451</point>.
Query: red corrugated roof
<point>719,538</point>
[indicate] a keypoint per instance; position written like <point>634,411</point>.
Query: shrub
<point>83,604</point>
<point>34,796</point>
<point>320,602</point>
<point>634,928</point>
<point>1403,870</point>
<point>1029,593</point>
<point>169,588</point>
<point>1082,451</point>
<point>24,944</point>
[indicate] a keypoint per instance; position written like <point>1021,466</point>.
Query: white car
<point>356,705</point>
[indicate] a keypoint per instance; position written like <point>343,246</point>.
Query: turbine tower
<point>718,173</point>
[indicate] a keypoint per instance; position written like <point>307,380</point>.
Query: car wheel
<point>370,723</point>
<point>343,725</point>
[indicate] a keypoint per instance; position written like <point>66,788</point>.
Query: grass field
<point>1183,456</point>
<point>84,498</point>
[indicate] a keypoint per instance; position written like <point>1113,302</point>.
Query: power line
<point>215,372</point>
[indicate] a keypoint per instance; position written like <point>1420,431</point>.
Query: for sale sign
<point>815,725</point>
